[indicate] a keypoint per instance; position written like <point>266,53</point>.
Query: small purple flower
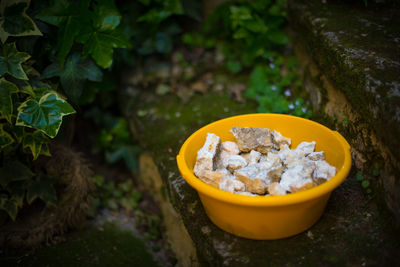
<point>288,93</point>
<point>291,106</point>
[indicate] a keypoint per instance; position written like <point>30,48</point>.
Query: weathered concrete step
<point>350,232</point>
<point>350,57</point>
<point>358,48</point>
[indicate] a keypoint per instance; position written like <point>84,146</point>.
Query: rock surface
<point>206,156</point>
<point>249,138</point>
<point>350,232</point>
<point>350,65</point>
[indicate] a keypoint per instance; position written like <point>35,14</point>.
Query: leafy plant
<point>32,102</point>
<point>30,114</point>
<point>125,196</point>
<point>251,37</point>
<point>114,139</point>
<point>115,196</point>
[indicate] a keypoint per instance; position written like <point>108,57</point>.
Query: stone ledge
<point>358,49</point>
<point>351,68</point>
<point>351,230</point>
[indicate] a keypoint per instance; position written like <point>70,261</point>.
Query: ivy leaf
<point>107,16</point>
<point>43,189</point>
<point>74,74</point>
<point>10,206</point>
<point>17,191</point>
<point>5,138</point>
<point>14,21</point>
<point>44,114</point>
<point>14,171</point>
<point>6,104</point>
<point>36,141</point>
<point>70,19</point>
<point>100,45</point>
<point>11,62</point>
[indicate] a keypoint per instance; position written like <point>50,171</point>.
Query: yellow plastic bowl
<point>267,217</point>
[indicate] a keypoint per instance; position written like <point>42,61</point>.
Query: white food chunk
<point>206,155</point>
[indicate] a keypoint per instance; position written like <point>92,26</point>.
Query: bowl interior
<point>298,129</point>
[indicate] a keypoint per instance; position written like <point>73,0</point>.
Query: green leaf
<point>36,141</point>
<point>233,66</point>
<point>17,191</point>
<point>163,43</point>
<point>10,206</point>
<point>375,172</point>
<point>173,6</point>
<point>14,171</point>
<point>71,19</point>
<point>278,37</point>
<point>14,21</point>
<point>74,74</point>
<point>154,16</point>
<point>43,189</point>
<point>5,138</point>
<point>127,153</point>
<point>45,115</point>
<point>365,183</point>
<point>11,62</point>
<point>100,45</point>
<point>6,104</point>
<point>107,16</point>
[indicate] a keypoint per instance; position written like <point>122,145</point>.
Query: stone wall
<point>350,64</point>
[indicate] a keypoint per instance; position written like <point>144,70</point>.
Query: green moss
<point>357,51</point>
<point>94,247</point>
<point>341,234</point>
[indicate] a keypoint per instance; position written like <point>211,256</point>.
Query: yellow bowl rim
<point>289,199</point>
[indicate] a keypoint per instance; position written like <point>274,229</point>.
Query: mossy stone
<point>350,231</point>
<point>358,49</point>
